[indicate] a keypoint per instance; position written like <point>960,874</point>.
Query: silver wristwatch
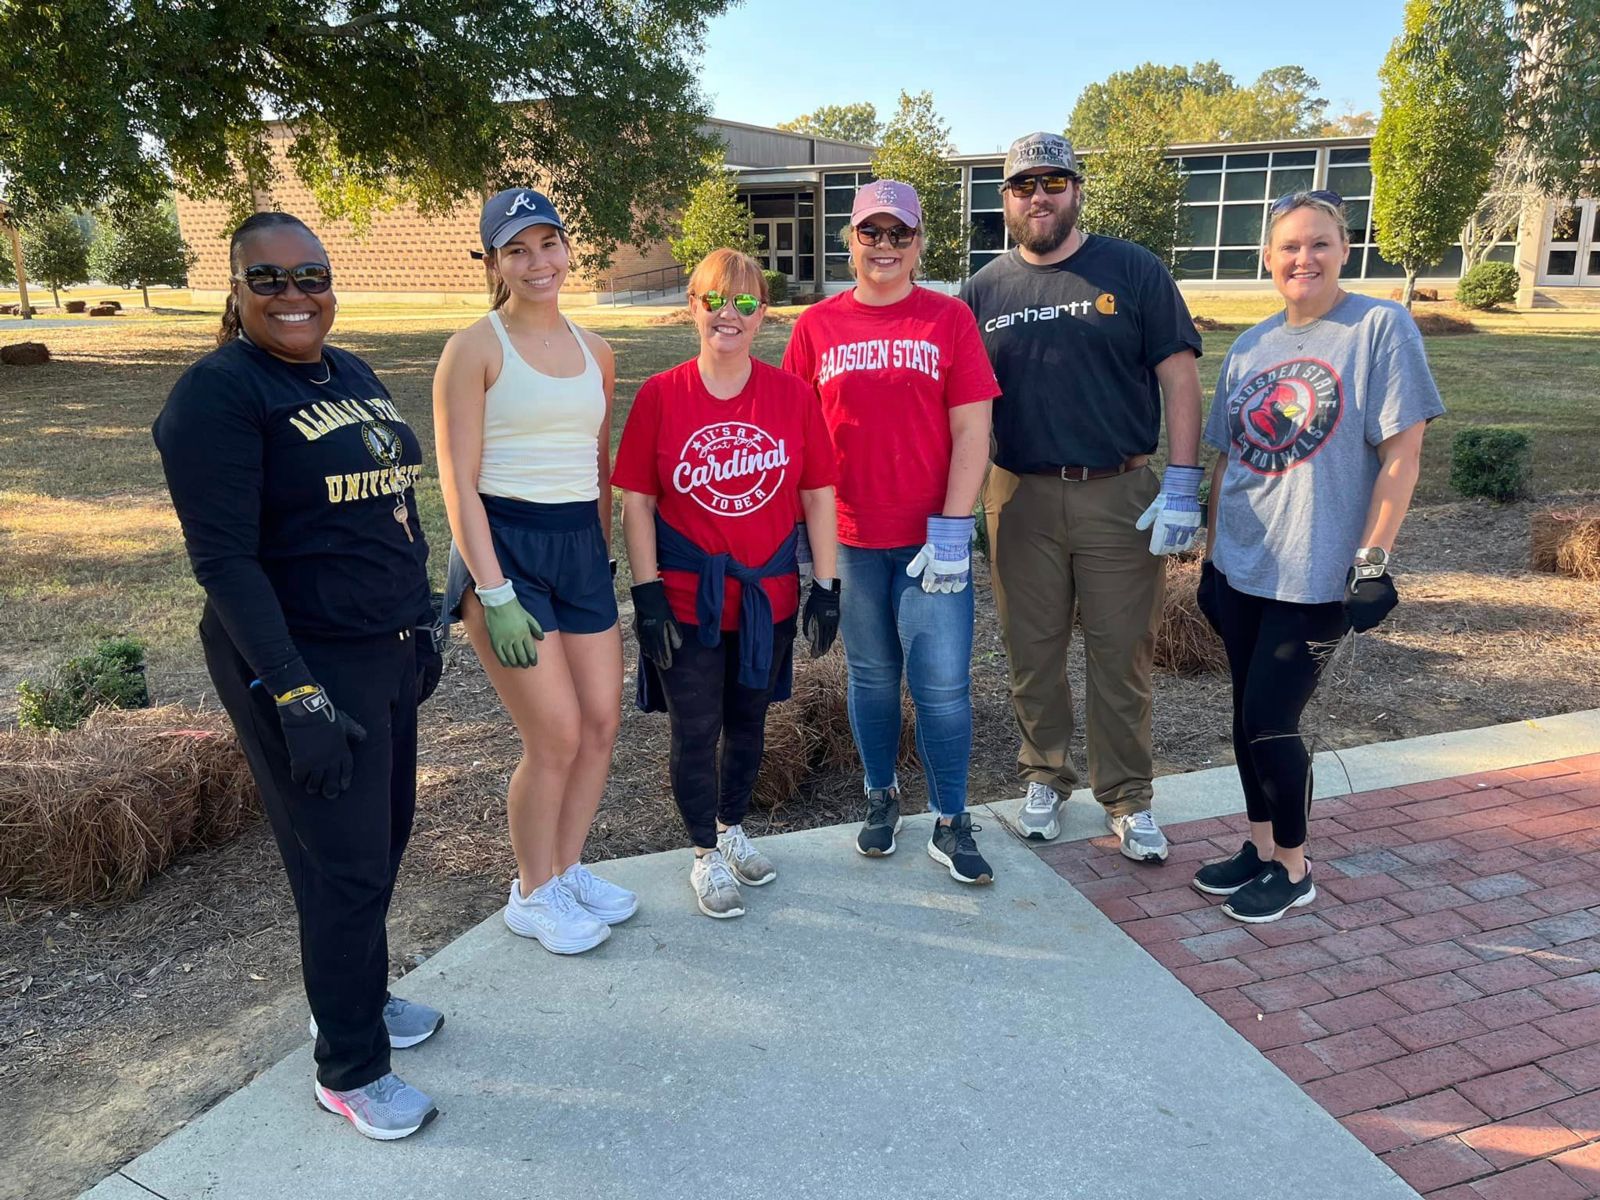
<point>1371,562</point>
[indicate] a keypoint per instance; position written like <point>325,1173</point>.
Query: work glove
<point>821,620</point>
<point>512,629</point>
<point>1368,601</point>
<point>654,625</point>
<point>945,560</point>
<point>802,553</point>
<point>1173,517</point>
<point>319,737</point>
<point>431,641</point>
<point>1206,596</point>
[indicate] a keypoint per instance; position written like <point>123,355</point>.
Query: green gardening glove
<point>512,629</point>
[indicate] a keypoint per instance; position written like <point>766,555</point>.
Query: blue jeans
<point>888,623</point>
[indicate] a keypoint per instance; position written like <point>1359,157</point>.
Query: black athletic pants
<point>342,855</point>
<point>706,704</point>
<point>1276,651</point>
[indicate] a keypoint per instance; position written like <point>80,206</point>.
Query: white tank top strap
<point>506,349</point>
<point>589,363</point>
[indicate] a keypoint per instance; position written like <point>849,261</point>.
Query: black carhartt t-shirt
<point>1075,346</point>
<point>284,476</point>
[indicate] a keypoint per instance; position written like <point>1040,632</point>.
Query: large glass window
<point>838,194</point>
<point>1245,185</point>
<point>1197,189</point>
<point>1241,224</point>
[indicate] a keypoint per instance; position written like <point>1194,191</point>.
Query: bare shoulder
<point>598,346</point>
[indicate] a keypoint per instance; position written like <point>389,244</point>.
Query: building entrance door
<point>1570,254</point>
<point>775,244</point>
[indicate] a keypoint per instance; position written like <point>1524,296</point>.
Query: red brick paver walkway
<point>1440,997</point>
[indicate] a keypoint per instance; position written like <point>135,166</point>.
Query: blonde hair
<point>1334,212</point>
<point>729,272</point>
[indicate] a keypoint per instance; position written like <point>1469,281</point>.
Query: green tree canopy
<point>426,101</point>
<point>55,250</point>
<point>714,217</point>
<point>916,149</point>
<point>8,273</point>
<point>1131,190</point>
<point>139,246</point>
<point>1201,104</point>
<point>843,122</point>
<point>1435,146</point>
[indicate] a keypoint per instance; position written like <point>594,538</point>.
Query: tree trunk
<point>1411,288</point>
<point>55,295</point>
<point>145,288</point>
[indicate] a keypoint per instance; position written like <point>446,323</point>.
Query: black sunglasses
<point>899,237</point>
<point>265,279</point>
<point>1024,185</point>
<point>1295,199</point>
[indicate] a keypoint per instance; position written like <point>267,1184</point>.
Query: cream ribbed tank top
<point>540,431</point>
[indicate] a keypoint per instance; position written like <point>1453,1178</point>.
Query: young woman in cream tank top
<point>522,413</point>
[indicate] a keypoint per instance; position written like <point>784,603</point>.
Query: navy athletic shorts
<point>556,556</point>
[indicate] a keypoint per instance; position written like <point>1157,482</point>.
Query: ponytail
<point>230,321</point>
<point>501,292</point>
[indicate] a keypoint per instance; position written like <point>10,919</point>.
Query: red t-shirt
<point>727,474</point>
<point>888,377</point>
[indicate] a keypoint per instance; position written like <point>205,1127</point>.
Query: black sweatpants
<point>706,703</point>
<point>342,855</point>
<point>1276,652</point>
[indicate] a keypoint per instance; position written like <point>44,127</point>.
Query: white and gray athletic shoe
<point>409,1024</point>
<point>1141,838</point>
<point>748,863</point>
<point>555,918</point>
<point>600,898</point>
<point>1038,816</point>
<point>716,891</point>
<point>386,1109</point>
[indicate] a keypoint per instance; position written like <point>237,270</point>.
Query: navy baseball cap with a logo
<point>1049,150</point>
<point>509,212</point>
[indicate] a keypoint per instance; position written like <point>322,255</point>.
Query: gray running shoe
<point>1038,816</point>
<point>876,836</point>
<point>748,863</point>
<point>715,889</point>
<point>408,1023</point>
<point>1141,838</point>
<point>386,1109</point>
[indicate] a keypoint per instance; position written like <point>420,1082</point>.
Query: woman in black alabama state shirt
<point>291,473</point>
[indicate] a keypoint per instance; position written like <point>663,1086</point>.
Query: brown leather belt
<point>1085,474</point>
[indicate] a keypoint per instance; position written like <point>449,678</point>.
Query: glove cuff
<point>950,529</point>
<point>287,678</point>
<point>1182,481</point>
<point>494,597</point>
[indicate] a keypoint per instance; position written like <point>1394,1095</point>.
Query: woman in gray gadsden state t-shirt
<point>1319,415</point>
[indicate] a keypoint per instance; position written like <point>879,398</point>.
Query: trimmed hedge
<point>1490,461</point>
<point>1487,285</point>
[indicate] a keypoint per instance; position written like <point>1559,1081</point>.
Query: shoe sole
<point>559,948</point>
<point>751,880</point>
<point>1143,856</point>
<point>943,859</point>
<point>610,919</point>
<point>715,916</point>
<point>876,853</point>
<point>395,1043</point>
<point>329,1105</point>
<point>1048,834</point>
<point>1298,902</point>
<point>1209,890</point>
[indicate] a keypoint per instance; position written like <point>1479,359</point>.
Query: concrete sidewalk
<point>871,1028</point>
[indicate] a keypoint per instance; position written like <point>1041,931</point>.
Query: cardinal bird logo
<point>1282,416</point>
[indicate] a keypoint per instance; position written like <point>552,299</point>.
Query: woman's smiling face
<point>292,324</point>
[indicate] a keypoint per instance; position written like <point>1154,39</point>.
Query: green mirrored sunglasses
<point>744,303</point>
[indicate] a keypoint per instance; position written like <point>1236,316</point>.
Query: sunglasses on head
<point>900,236</point>
<point>1294,199</point>
<point>1024,185</point>
<point>265,279</point>
<point>744,303</point>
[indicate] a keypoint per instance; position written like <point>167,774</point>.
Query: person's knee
<point>555,742</point>
<point>598,732</point>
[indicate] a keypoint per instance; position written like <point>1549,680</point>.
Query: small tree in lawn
<point>55,249</point>
<point>1435,146</point>
<point>8,273</point>
<point>916,149</point>
<point>140,246</point>
<point>1131,189</point>
<point>713,217</point>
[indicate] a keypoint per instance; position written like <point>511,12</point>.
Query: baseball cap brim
<point>511,228</point>
<point>902,215</point>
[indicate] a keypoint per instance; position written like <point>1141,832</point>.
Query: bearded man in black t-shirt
<point>1091,341</point>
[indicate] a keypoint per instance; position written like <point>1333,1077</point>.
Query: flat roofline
<point>815,137</point>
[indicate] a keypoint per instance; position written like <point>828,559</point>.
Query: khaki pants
<point>1056,546</point>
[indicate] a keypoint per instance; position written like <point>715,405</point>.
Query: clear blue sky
<point>1000,70</point>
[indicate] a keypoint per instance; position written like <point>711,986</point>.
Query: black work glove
<point>319,738</point>
<point>431,641</point>
<point>653,623</point>
<point>1206,596</point>
<point>1368,601</point>
<point>821,620</point>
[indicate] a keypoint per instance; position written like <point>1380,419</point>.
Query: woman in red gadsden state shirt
<point>906,391</point>
<point>719,458</point>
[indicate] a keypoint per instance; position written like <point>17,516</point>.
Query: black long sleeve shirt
<point>284,476</point>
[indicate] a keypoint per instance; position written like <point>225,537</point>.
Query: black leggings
<point>706,704</point>
<point>1276,652</point>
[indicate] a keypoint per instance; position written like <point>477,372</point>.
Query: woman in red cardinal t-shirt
<point>906,390</point>
<point>720,457</point>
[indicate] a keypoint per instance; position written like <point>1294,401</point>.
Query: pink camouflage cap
<point>890,196</point>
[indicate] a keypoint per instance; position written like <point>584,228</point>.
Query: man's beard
<point>1034,240</point>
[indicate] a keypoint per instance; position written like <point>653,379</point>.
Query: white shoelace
<point>718,874</point>
<point>1041,797</point>
<point>738,842</point>
<point>1143,822</point>
<point>560,899</point>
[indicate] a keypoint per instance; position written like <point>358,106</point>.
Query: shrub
<point>111,675</point>
<point>1491,461</point>
<point>777,287</point>
<point>1487,285</point>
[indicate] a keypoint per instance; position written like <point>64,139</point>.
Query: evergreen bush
<point>1490,461</point>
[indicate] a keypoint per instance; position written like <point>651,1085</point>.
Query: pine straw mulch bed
<point>158,1007</point>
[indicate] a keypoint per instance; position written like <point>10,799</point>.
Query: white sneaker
<point>554,918</point>
<point>748,863</point>
<point>715,889</point>
<point>1139,837</point>
<point>1038,816</point>
<point>599,897</point>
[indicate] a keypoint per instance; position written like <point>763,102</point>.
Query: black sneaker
<point>953,846</point>
<point>876,839</point>
<point>1269,895</point>
<point>1228,876</point>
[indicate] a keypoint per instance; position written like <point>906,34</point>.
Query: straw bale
<point>1185,642</point>
<point>821,692</point>
<point>786,761</point>
<point>91,814</point>
<point>1566,542</point>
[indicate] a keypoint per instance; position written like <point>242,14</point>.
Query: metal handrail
<point>672,279</point>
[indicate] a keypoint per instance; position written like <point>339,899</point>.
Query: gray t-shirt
<point>1300,414</point>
